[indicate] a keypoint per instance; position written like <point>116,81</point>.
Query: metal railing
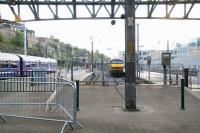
<point>49,98</point>
<point>84,73</point>
<point>154,73</point>
<point>194,77</point>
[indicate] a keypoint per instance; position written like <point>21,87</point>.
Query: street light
<point>92,56</point>
<point>22,27</point>
<point>25,39</point>
<point>72,65</point>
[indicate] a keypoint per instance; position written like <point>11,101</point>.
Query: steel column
<point>25,41</point>
<point>130,78</point>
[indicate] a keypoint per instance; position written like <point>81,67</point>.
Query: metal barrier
<point>52,99</point>
<point>154,73</point>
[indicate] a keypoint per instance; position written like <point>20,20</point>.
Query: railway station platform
<point>101,111</point>
<point>80,75</point>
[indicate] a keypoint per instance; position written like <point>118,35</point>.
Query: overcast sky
<point>109,39</point>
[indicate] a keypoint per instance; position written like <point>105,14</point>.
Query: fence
<point>83,72</point>
<point>194,77</point>
<point>157,74</point>
<point>45,97</point>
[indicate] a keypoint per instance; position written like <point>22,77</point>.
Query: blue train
<point>12,65</point>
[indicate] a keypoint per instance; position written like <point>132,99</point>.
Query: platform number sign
<point>166,59</point>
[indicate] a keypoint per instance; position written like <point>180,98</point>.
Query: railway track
<point>117,83</point>
<point>93,79</point>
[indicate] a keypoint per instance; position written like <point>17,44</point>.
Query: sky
<point>106,38</point>
<point>110,39</point>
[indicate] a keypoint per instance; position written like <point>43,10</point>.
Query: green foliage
<point>97,56</point>
<point>35,51</point>
<point>18,40</point>
<point>1,38</point>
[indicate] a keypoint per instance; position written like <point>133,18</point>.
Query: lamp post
<point>25,40</point>
<point>72,65</point>
<point>92,52</point>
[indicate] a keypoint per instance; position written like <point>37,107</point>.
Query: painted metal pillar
<point>72,64</point>
<point>25,40</point>
<point>102,70</point>
<point>130,62</point>
<point>92,57</point>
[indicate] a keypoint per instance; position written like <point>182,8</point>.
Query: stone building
<point>32,39</point>
<point>9,31</point>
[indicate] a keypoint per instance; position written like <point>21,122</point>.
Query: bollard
<point>170,76</point>
<point>186,77</point>
<point>177,79</point>
<point>77,92</point>
<point>165,75</point>
<point>72,73</point>
<point>149,74</point>
<point>182,94</point>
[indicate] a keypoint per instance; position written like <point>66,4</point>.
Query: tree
<point>1,38</point>
<point>18,40</point>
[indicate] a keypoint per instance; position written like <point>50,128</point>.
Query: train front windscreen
<point>116,62</point>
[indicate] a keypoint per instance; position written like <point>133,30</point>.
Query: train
<point>116,67</point>
<point>12,65</point>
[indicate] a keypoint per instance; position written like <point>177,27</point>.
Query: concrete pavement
<point>101,112</point>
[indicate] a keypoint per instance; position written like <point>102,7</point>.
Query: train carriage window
<point>38,64</point>
<point>27,64</point>
<point>33,64</point>
<point>44,64</point>
<point>4,64</point>
<point>13,64</point>
<point>116,62</point>
<point>53,65</point>
<point>1,64</point>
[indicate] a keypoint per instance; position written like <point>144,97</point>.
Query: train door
<point>49,66</point>
<point>38,64</point>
